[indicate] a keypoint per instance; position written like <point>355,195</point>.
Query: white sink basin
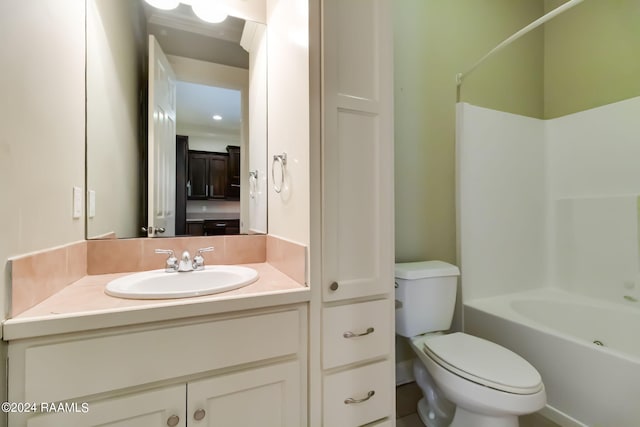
<point>158,284</point>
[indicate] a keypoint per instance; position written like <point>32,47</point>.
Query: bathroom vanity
<point>194,361</point>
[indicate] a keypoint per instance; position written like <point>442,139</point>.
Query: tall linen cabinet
<point>352,252</point>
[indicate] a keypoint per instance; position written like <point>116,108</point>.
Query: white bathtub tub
<point>587,384</point>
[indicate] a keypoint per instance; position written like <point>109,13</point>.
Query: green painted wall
<point>586,57</point>
<point>592,55</point>
<point>433,41</point>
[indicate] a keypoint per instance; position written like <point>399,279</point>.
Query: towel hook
<point>282,159</point>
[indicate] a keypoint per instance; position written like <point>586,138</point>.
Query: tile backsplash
<point>37,276</point>
<point>129,255</point>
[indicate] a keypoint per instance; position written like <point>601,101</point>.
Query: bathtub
<point>587,351</point>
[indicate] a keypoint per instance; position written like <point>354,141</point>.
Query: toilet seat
<point>482,362</point>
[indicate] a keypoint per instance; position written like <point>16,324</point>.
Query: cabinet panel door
<point>233,173</point>
<point>146,409</point>
<point>358,170</point>
<point>198,178</point>
<point>263,397</point>
<point>195,228</point>
<point>217,176</point>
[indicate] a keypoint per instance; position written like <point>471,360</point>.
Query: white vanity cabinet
<point>244,369</point>
<point>357,295</point>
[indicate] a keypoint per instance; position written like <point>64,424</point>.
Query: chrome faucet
<point>171,264</point>
<point>185,264</point>
<point>198,260</point>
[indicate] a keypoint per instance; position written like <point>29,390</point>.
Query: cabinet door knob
<point>334,286</point>
<point>199,414</point>
<point>173,421</point>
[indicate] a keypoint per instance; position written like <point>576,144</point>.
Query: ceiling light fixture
<point>217,117</point>
<point>209,10</point>
<point>212,11</point>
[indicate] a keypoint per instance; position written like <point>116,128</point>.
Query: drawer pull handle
<point>334,286</point>
<point>351,400</point>
<point>199,414</point>
<point>350,334</point>
<point>173,421</point>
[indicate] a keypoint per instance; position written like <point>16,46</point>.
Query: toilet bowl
<point>490,385</point>
<point>467,381</point>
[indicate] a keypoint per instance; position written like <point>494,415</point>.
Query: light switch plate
<point>77,202</point>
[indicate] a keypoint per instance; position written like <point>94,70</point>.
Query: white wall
<point>288,121</point>
<point>42,120</point>
<point>201,142</point>
<point>115,51</point>
<point>249,10</point>
<point>258,131</point>
<point>501,202</point>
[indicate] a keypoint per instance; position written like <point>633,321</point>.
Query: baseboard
<point>560,417</point>
<point>404,372</point>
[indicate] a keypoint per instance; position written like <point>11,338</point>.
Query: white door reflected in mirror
<point>162,137</point>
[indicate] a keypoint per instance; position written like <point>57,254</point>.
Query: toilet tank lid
<point>425,269</point>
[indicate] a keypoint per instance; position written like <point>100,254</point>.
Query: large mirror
<point>210,177</point>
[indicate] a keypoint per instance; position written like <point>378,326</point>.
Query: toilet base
<point>464,418</point>
<point>423,414</point>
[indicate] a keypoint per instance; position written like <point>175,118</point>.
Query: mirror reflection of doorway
<point>209,128</point>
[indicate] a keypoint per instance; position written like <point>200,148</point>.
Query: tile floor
<point>407,396</point>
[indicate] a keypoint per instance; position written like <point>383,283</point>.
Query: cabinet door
<point>233,173</point>
<point>215,228</point>
<point>198,176</point>
<point>195,228</point>
<point>233,226</point>
<point>263,397</point>
<point>147,409</point>
<point>182,176</point>
<point>217,176</point>
<point>358,240</point>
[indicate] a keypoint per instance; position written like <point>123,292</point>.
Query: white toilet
<point>466,381</point>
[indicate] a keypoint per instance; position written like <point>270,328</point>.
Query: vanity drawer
<point>358,396</point>
<point>355,332</point>
<point>89,365</point>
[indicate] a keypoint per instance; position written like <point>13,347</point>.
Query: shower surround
<point>550,204</point>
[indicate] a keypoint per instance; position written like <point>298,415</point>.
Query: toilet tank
<point>425,296</point>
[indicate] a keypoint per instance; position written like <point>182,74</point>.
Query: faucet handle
<point>171,264</point>
<point>198,260</point>
<point>164,251</point>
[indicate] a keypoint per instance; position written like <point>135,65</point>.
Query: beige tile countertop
<point>84,306</point>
